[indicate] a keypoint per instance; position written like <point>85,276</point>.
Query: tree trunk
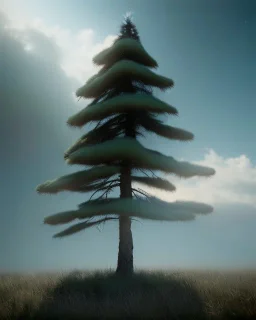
<point>125,251</point>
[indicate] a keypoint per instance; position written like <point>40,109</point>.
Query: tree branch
<point>134,194</point>
<point>104,221</point>
<point>136,220</point>
<point>103,183</point>
<point>108,188</point>
<point>144,172</point>
<point>144,193</point>
<point>133,189</point>
<point>80,226</point>
<point>153,173</point>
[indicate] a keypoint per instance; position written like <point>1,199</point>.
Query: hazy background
<point>208,49</point>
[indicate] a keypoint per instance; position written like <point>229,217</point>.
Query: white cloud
<point>75,49</point>
<point>233,183</point>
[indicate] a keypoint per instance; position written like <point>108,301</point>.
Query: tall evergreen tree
<point>123,103</point>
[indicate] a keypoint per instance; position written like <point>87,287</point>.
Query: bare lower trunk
<point>125,250</point>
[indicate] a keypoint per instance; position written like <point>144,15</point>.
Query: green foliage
<point>129,149</point>
<point>119,72</point>
<point>152,208</point>
<point>125,48</point>
<point>125,103</point>
<point>77,180</point>
<point>128,30</point>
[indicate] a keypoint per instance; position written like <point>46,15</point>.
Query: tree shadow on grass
<point>104,295</point>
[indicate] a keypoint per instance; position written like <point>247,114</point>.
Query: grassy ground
<point>146,295</point>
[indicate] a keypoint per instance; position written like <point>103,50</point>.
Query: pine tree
<point>123,103</point>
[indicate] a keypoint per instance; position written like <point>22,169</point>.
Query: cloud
<point>73,50</point>
<point>233,183</point>
<point>36,96</point>
<point>37,82</point>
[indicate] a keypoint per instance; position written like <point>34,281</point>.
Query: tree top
<point>128,29</point>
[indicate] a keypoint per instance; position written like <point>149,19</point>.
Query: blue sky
<point>208,49</point>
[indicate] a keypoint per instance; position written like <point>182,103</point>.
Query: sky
<point>208,49</point>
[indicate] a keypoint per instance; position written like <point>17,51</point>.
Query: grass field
<point>145,295</point>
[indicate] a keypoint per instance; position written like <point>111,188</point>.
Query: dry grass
<point>146,295</point>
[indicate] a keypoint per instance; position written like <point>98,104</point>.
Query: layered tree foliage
<point>123,106</point>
